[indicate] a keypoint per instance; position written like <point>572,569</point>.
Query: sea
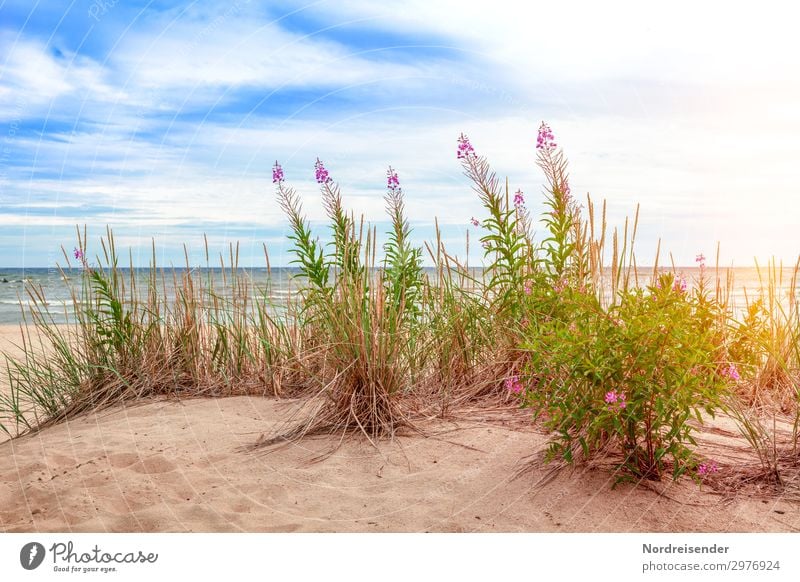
<point>16,285</point>
<point>20,288</point>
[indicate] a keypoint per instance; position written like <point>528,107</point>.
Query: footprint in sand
<point>145,464</point>
<point>154,464</point>
<point>57,460</point>
<point>122,460</point>
<point>95,480</point>
<point>120,504</point>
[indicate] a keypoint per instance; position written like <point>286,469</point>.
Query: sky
<point>162,119</point>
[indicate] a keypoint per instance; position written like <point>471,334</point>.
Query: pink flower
<point>559,285</point>
<point>707,468</point>
<point>519,199</point>
<point>277,173</point>
<point>321,173</point>
<point>617,399</point>
<point>392,181</point>
<point>474,222</point>
<point>545,140</point>
<point>680,283</point>
<point>730,372</point>
<point>465,149</point>
<point>565,189</point>
<point>528,288</point>
<point>701,259</point>
<point>78,253</point>
<point>513,385</point>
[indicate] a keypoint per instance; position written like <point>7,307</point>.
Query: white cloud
<point>582,40</point>
<point>33,79</point>
<point>204,55</point>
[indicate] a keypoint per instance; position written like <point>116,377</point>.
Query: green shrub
<point>630,377</point>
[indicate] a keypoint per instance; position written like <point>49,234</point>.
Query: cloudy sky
<point>162,118</point>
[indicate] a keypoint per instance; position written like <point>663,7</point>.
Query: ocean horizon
<point>55,284</point>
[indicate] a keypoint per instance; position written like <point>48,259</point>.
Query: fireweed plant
<point>629,378</point>
<point>363,322</point>
<point>505,240</point>
<point>609,366</point>
<point>402,270</point>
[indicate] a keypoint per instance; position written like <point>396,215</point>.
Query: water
<point>56,286</point>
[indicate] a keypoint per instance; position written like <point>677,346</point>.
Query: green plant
<point>506,242</point>
<point>630,378</point>
<point>308,253</point>
<point>562,220</point>
<point>402,274</point>
<point>361,335</point>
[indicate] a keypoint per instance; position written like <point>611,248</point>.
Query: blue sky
<point>162,119</point>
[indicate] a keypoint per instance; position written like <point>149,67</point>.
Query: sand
<point>172,466</point>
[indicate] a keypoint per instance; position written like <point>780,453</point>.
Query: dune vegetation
<point>558,321</point>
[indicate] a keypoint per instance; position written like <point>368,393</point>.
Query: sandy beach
<point>180,466</point>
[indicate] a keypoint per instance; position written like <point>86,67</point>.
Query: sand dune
<point>178,466</point>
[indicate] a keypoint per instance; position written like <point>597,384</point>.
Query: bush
<point>630,377</point>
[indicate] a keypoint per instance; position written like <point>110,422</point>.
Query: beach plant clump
<point>626,376</point>
<point>362,320</point>
<point>127,337</point>
<point>629,379</point>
